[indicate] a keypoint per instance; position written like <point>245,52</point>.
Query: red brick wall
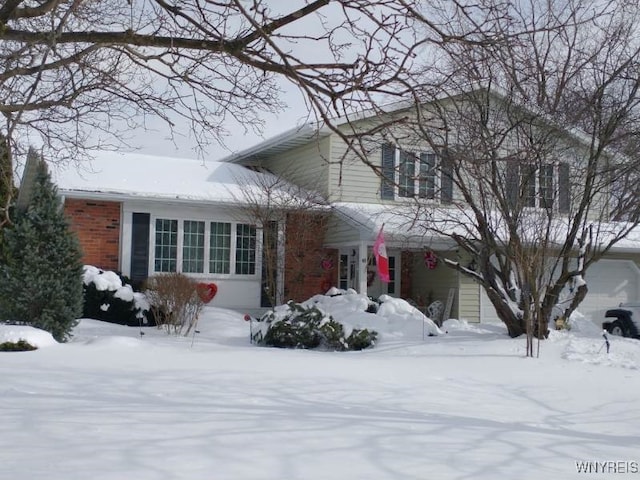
<point>97,225</point>
<point>406,284</point>
<point>309,267</point>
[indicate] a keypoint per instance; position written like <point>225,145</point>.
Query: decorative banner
<point>206,291</point>
<point>382,260</point>
<point>430,260</point>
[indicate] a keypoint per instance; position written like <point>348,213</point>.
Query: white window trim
<point>555,187</point>
<point>416,181</point>
<point>207,231</point>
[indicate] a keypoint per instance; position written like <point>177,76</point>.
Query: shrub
<point>19,346</point>
<point>40,279</point>
<point>110,297</point>
<point>308,327</point>
<point>175,303</point>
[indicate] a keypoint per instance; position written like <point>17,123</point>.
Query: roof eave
<point>295,137</point>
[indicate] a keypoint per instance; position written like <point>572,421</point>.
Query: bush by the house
<point>40,277</point>
<point>175,303</point>
<point>302,326</point>
<point>111,298</point>
<point>19,346</point>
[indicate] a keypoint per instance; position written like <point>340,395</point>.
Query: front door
<point>348,270</point>
<point>375,287</point>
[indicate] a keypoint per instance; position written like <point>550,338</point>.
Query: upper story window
<point>415,175</point>
<point>545,186</point>
<point>204,247</point>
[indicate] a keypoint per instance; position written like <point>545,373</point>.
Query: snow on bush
<point>107,297</point>
<point>34,336</point>
<point>394,317</point>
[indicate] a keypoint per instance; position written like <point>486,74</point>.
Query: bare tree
<point>530,128</point>
<point>78,74</point>
<point>286,212</point>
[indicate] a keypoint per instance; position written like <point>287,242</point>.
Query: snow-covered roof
<point>120,175</point>
<point>407,225</point>
<point>283,142</point>
<point>403,225</point>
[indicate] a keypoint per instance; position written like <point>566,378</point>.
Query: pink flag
<point>382,260</point>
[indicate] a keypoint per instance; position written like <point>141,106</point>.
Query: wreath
<point>430,260</point>
<point>326,264</point>
<point>325,285</point>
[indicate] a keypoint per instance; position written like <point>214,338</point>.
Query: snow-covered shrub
<point>40,278</point>
<point>299,326</point>
<point>175,303</point>
<point>109,297</point>
<point>19,346</point>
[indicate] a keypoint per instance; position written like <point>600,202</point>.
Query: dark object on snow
<point>606,342</point>
<point>19,346</point>
<point>624,324</point>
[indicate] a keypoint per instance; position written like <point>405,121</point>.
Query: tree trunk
<point>515,323</point>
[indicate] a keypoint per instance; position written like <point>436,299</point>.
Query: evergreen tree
<point>41,278</point>
<point>7,190</point>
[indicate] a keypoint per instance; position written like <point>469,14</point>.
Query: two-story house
<point>377,187</point>
<point>145,215</point>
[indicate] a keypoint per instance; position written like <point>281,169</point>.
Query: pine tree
<point>6,188</point>
<point>41,278</point>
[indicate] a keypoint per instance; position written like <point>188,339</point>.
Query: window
<point>166,245</point>
<point>415,175</point>
<point>193,247</point>
<point>196,246</point>
<point>539,185</point>
<point>245,250</point>
<point>407,169</point>
<point>391,286</point>
<point>220,247</point>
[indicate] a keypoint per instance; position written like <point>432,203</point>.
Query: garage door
<point>611,282</point>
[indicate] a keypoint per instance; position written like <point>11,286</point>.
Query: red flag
<point>382,260</point>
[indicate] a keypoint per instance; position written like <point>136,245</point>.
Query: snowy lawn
<point>463,405</point>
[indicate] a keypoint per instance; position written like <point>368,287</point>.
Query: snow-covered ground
<point>467,404</point>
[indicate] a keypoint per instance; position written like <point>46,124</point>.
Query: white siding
<point>234,291</point>
<point>340,233</point>
<point>306,166</point>
<point>350,179</point>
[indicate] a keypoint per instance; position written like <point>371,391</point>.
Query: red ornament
<point>430,260</point>
<point>206,291</point>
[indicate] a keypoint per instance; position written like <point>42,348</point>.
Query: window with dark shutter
<point>388,170</point>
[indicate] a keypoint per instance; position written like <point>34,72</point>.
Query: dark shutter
<point>388,169</point>
<point>512,182</point>
<point>269,264</point>
<point>564,188</point>
<point>446,180</point>
<point>139,248</point>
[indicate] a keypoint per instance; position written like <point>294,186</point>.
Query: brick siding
<point>97,224</point>
<point>309,267</point>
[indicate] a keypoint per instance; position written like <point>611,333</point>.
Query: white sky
<point>156,140</point>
